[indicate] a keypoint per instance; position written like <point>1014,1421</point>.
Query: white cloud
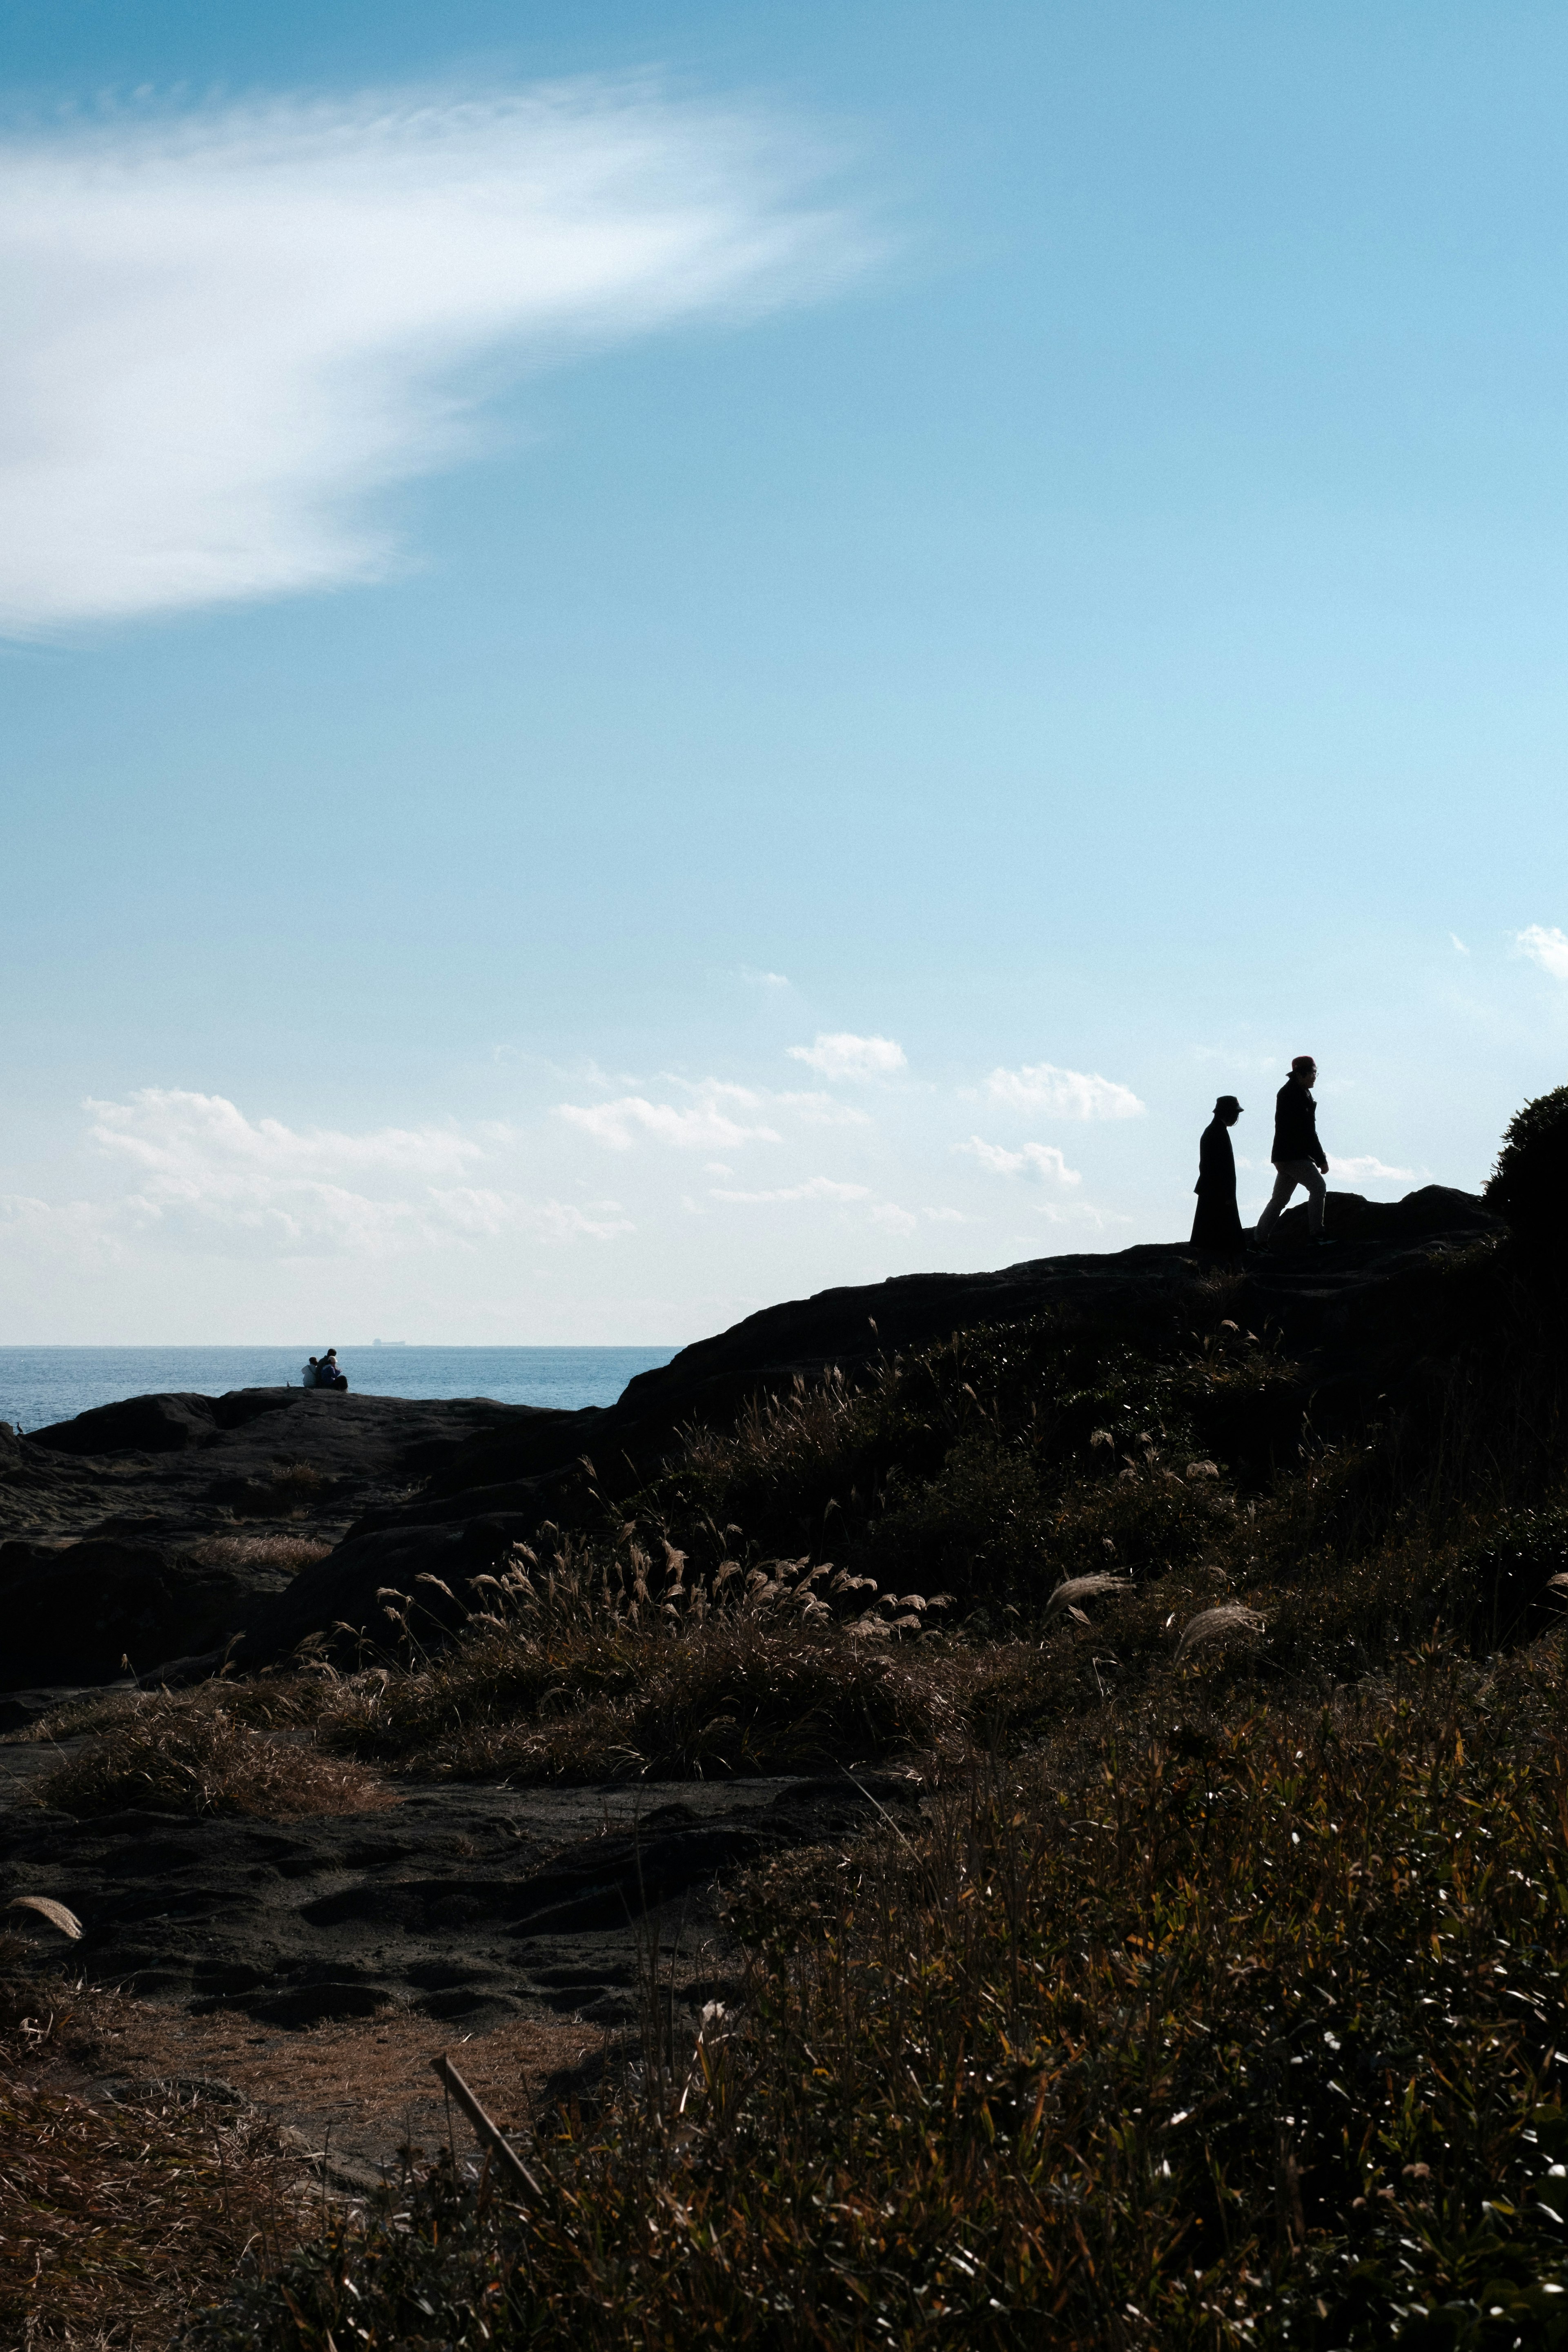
<point>1082,1213</point>
<point>893,1219</point>
<point>1368,1167</point>
<point>487,1216</point>
<point>201,1170</point>
<point>178,1136</point>
<point>227,327</point>
<point>1458,944</point>
<point>821,1111</point>
<point>1070,1094</point>
<point>79,1232</point>
<point>702,1128</point>
<point>1548,948</point>
<point>845,1056</point>
<point>1034,1158</point>
<point>815,1188</point>
<point>763,979</point>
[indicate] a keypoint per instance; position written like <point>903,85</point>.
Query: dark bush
<point>1529,1186</point>
<point>1501,1589</point>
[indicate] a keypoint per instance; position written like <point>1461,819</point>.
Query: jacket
<point>1295,1128</point>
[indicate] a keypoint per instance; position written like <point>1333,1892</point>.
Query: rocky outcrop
<point>90,1612</point>
<point>156,1528</point>
<point>443,1490</point>
<point>160,1424</point>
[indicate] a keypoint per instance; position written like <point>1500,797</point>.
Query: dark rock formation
<point>78,1613</point>
<point>467,1903</point>
<point>412,1488</point>
<point>160,1424</point>
<point>158,1527</point>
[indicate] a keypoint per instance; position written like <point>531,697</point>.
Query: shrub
<point>590,1670</point>
<point>1503,1585</point>
<point>1528,1185</point>
<point>171,1757</point>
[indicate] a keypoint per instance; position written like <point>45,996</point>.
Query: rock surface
<point>158,1527</point>
<point>471,1905</point>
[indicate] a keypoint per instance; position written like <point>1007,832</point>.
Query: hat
<point>1305,1062</point>
<point>1227,1102</point>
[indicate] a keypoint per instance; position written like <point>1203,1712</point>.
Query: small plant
<point>299,1482</point>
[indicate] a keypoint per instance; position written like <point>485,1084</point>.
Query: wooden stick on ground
<point>489,2134</point>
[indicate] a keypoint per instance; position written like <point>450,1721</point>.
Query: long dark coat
<point>1217,1225</point>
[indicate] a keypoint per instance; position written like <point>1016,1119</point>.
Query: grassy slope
<point>1217,2003</point>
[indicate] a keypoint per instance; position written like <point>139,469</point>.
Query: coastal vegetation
<point>1215,1995</point>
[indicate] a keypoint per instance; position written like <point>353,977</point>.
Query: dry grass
<point>356,2087</point>
<point>290,1553</point>
<point>1199,2035</point>
<point>1215,2007</point>
<point>586,1703</point>
<point>115,2218</point>
<point>1231,1621</point>
<point>586,1667</point>
<point>170,1757</point>
<point>300,1480</point>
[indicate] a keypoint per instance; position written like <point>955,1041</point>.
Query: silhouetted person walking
<point>1216,1226</point>
<point>1299,1157</point>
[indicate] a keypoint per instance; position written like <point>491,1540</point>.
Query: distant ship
<point>389,1343</point>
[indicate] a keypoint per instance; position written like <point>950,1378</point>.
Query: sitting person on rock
<point>1216,1226</point>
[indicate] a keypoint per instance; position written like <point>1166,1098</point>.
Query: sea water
<point>40,1385</point>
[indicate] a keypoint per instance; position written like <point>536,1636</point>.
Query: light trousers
<point>1290,1173</point>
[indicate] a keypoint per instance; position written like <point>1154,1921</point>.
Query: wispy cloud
<point>226,328</point>
<point>821,1110</point>
<point>841,1054</point>
<point>199,1166</point>
<point>176,1135</point>
<point>1457,943</point>
<point>894,1220</point>
<point>1031,1158</point>
<point>763,979</point>
<point>1367,1168</point>
<point>703,1126</point>
<point>814,1188</point>
<point>1546,947</point>
<point>1069,1094</point>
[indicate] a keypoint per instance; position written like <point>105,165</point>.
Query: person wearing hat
<point>1216,1226</point>
<point>1299,1157</point>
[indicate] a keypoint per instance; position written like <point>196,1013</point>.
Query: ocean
<point>40,1385</point>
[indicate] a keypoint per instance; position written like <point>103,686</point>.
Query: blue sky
<point>655,657</point>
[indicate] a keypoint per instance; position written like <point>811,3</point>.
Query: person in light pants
<point>1299,1157</point>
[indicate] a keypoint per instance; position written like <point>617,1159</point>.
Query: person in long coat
<point>1216,1227</point>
